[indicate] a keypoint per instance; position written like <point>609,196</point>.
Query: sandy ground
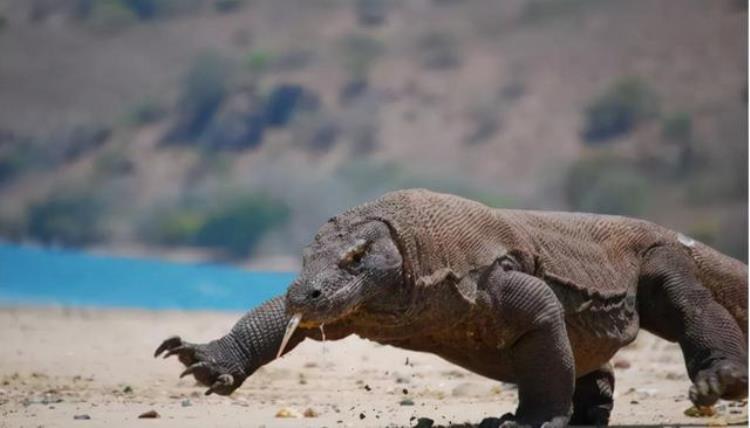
<point>58,364</point>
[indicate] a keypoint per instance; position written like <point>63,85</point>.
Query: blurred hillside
<point>237,127</point>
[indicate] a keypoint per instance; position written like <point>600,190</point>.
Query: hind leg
<point>674,305</point>
<point>593,398</point>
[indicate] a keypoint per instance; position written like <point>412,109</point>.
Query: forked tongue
<point>293,323</point>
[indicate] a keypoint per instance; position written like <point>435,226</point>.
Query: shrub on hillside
<point>619,110</point>
<point>203,90</point>
<point>234,227</point>
<point>606,185</point>
<point>146,112</point>
<point>227,6</point>
<point>439,50</point>
<point>140,9</point>
<point>285,101</point>
<point>359,53</point>
<point>70,219</point>
<point>239,225</point>
<point>371,12</point>
<point>678,129</point>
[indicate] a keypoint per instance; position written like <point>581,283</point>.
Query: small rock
<point>81,417</point>
<point>362,416</point>
<point>367,388</point>
<point>424,423</point>
<point>405,391</point>
<point>700,411</point>
<point>287,412</point>
<point>186,403</point>
<point>310,413</point>
<point>406,402</point>
<point>151,414</point>
<point>128,389</point>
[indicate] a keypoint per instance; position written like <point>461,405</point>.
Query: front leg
<point>541,356</point>
<point>225,363</point>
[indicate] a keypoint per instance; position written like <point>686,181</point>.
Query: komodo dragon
<point>539,299</point>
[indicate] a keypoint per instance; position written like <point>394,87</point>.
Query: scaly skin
<point>541,299</point>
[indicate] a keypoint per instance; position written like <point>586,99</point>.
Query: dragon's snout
<point>300,296</point>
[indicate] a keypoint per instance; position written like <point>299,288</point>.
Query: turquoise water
<point>70,278</point>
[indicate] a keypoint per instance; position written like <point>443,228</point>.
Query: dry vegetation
<point>164,123</point>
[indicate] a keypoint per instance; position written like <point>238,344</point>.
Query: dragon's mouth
<point>316,318</point>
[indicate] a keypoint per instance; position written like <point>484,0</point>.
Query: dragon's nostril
<point>315,294</point>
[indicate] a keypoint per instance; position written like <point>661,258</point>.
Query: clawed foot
<point>508,420</point>
<point>203,364</point>
<point>723,379</point>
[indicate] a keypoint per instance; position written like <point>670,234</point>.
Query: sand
<point>57,365</point>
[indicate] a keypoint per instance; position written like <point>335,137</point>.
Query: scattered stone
<point>310,413</point>
<point>405,391</point>
<point>700,411</point>
<point>128,389</point>
<point>367,388</point>
<point>186,403</point>
<point>287,412</point>
<point>81,417</point>
<point>151,414</point>
<point>362,416</point>
<point>406,402</point>
<point>424,423</point>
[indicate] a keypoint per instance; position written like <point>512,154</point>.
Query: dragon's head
<point>348,266</point>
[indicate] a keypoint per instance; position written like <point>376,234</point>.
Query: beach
<point>95,367</point>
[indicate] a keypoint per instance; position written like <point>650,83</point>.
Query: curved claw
<point>221,381</point>
<point>190,370</point>
<point>174,351</point>
<point>169,343</point>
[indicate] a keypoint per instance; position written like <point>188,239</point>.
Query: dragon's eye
<point>354,254</point>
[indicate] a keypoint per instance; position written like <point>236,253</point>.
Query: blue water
<point>69,278</point>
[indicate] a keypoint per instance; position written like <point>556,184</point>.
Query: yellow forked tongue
<point>293,323</point>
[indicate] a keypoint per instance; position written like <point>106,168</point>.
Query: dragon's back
<point>598,253</point>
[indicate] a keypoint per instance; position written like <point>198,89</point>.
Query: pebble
<point>186,403</point>
<point>424,423</point>
<point>287,412</point>
<point>151,414</point>
<point>406,402</point>
<point>310,413</point>
<point>81,417</point>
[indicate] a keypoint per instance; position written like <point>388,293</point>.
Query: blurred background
<point>230,130</point>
